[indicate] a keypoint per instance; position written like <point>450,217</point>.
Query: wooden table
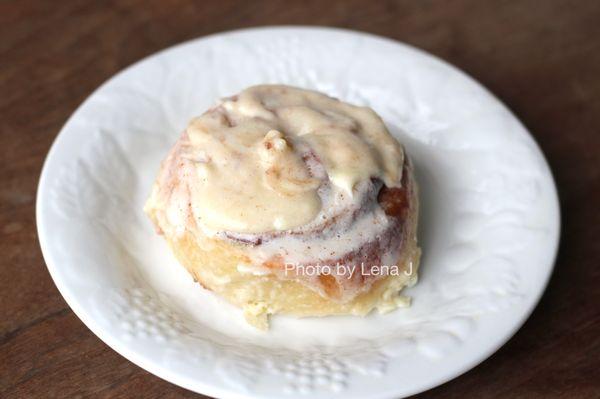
<point>541,57</point>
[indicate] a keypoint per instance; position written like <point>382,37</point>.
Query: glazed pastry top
<point>275,157</point>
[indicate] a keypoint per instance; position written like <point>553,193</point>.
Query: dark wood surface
<point>541,57</point>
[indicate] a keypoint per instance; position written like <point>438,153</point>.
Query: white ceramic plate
<point>489,230</point>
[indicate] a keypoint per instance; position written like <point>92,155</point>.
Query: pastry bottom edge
<point>214,264</point>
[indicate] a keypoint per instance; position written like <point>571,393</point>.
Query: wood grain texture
<point>542,58</point>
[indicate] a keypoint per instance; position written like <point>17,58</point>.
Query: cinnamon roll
<point>284,200</point>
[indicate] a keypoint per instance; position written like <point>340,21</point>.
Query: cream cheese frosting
<point>252,158</point>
